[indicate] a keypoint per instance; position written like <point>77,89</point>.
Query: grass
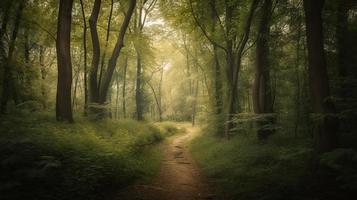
<point>43,159</point>
<point>246,169</point>
<point>282,168</point>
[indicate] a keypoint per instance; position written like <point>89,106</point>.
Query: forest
<point>178,99</point>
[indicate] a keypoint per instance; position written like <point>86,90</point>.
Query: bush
<point>44,159</point>
<point>170,128</point>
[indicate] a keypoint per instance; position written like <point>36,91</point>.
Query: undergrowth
<point>281,168</point>
<point>43,159</point>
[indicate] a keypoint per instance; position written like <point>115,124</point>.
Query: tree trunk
<point>64,82</point>
<point>262,97</point>
<point>9,88</point>
<point>326,126</point>
<point>5,19</point>
<point>217,69</point>
<point>233,89</point>
<point>138,89</point>
<point>124,87</point>
<point>43,77</point>
<point>160,93</point>
<point>116,52</point>
<point>298,82</point>
<point>217,83</point>
<point>85,58</point>
<point>3,28</point>
<point>106,43</point>
<point>157,101</point>
<point>93,74</point>
<point>117,97</point>
<point>194,107</point>
<point>74,97</point>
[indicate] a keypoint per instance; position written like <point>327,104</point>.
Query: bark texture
<point>326,123</point>
<point>262,96</point>
<point>64,82</point>
<point>93,74</point>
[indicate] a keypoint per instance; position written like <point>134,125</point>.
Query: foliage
<point>170,128</point>
<point>42,159</point>
<point>246,169</point>
<point>281,168</point>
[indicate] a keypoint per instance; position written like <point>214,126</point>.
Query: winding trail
<point>178,179</point>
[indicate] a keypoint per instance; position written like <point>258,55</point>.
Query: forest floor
<point>179,177</point>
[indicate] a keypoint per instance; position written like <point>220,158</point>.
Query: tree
<point>106,43</point>
<point>64,82</point>
<point>140,20</point>
<point>85,58</point>
<point>326,124</point>
<point>93,75</point>
<point>235,68</point>
<point>234,45</point>
<point>262,97</point>
<point>217,68</point>
<point>9,88</point>
<point>116,52</point>
<point>98,95</point>
<point>124,86</point>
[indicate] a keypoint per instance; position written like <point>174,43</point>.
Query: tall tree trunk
<point>298,82</point>
<point>157,101</point>
<point>237,64</point>
<point>326,126</point>
<point>3,28</point>
<point>218,94</point>
<point>43,77</point>
<point>85,58</point>
<point>24,80</point>
<point>64,82</point>
<point>124,86</point>
<point>117,97</point>
<point>106,43</point>
<point>116,52</point>
<point>160,93</point>
<point>262,97</point>
<point>138,89</point>
<point>9,88</point>
<point>93,74</point>
<point>74,97</point>
<point>5,19</point>
<point>194,106</point>
<point>229,33</point>
<point>217,69</point>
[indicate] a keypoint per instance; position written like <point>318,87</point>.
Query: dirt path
<point>178,179</point>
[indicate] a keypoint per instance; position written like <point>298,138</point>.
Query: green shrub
<point>44,159</point>
<point>170,128</point>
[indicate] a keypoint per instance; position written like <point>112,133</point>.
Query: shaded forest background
<point>272,83</point>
